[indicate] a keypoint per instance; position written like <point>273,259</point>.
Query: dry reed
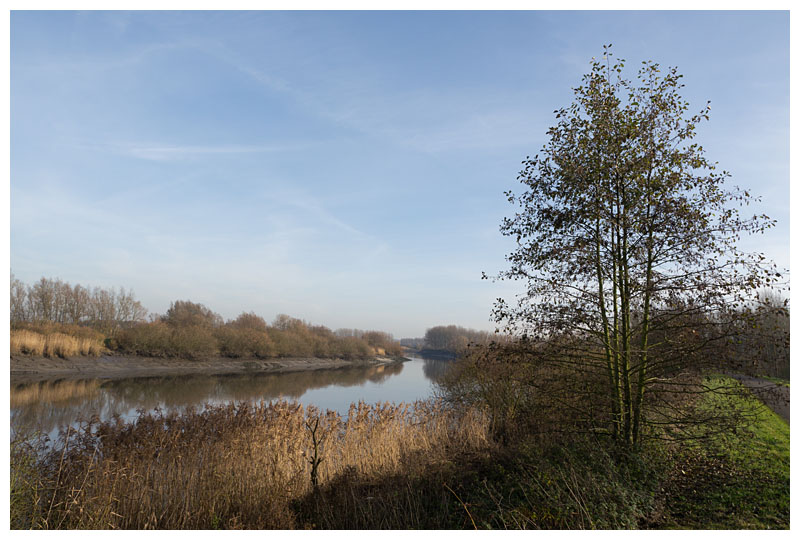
<point>27,342</point>
<point>53,345</point>
<point>240,466</point>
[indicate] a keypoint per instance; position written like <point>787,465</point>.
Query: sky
<point>345,168</point>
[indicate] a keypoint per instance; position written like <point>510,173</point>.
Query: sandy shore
<point>31,369</point>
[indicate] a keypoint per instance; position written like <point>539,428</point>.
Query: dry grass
<point>27,342</point>
<point>53,345</point>
<point>238,466</point>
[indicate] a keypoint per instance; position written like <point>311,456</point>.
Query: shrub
<point>237,341</point>
<point>249,321</point>
<point>148,339</point>
<point>192,341</point>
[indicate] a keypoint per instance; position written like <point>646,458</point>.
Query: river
<point>49,406</point>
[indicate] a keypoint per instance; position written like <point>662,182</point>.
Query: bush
<point>148,339</point>
<point>192,341</point>
<point>237,341</point>
<point>160,339</point>
<point>249,321</point>
<point>525,391</point>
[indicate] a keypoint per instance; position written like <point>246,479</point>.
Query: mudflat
<point>36,368</point>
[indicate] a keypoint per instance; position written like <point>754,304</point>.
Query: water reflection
<point>435,369</point>
<point>48,406</point>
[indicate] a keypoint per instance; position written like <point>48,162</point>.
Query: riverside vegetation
<point>53,318</point>
<point>494,450</point>
<point>607,406</point>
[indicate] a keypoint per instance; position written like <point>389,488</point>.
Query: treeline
<point>189,329</point>
<point>455,339</point>
<point>761,339</point>
<point>89,321</point>
<point>56,301</point>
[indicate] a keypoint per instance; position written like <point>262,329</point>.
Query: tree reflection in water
<point>48,406</point>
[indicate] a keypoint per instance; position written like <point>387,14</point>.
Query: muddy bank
<point>31,369</point>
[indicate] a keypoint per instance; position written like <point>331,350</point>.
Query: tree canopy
<point>627,238</point>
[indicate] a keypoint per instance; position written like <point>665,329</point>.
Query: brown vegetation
<point>81,321</point>
<point>52,300</point>
<point>52,392</point>
<point>54,344</point>
<point>248,336</point>
<point>232,466</point>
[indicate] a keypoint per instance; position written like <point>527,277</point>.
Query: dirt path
<point>775,396</point>
<point>26,369</point>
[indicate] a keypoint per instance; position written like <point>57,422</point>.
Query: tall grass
<point>235,466</point>
<point>26,483</point>
<point>53,345</point>
<point>27,342</point>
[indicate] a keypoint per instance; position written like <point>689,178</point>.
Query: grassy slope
<point>733,480</point>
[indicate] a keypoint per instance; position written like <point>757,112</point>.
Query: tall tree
<point>626,237</point>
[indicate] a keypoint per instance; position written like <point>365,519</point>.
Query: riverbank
<point>26,369</point>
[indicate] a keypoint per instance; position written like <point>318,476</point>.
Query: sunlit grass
<point>735,479</point>
<point>27,342</point>
<point>53,345</point>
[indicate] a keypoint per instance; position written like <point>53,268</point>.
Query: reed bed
<point>238,465</point>
<point>27,342</point>
<point>53,345</point>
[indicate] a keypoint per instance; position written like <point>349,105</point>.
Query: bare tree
<point>18,301</point>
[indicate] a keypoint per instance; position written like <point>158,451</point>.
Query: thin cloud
<point>177,152</point>
<point>423,120</point>
<point>172,153</point>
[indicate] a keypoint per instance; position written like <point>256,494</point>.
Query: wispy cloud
<point>174,152</point>
<point>422,119</point>
<point>100,63</point>
<point>179,152</point>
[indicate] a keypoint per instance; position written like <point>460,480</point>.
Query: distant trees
<point>413,343</point>
<point>761,342</point>
<point>454,339</point>
<point>187,329</point>
<point>55,301</point>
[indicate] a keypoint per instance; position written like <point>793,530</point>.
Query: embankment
<point>36,368</point>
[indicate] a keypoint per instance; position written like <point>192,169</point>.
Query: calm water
<point>49,406</point>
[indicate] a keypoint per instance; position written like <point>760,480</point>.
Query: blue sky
<point>347,168</point>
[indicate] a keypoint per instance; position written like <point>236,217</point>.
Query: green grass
<point>733,480</point>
